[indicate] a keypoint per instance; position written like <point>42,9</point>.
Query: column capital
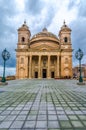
<point>49,55</point>
<point>39,55</point>
<point>30,55</point>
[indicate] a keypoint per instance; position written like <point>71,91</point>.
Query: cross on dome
<point>25,22</point>
<point>64,22</point>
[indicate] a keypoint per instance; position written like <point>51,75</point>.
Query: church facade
<point>44,55</point>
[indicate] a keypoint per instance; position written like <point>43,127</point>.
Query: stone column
<point>48,73</point>
<point>39,69</point>
<point>26,67</point>
<point>30,66</point>
<point>58,66</point>
<point>17,67</point>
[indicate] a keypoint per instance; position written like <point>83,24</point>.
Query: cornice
<point>21,50</point>
<point>66,50</point>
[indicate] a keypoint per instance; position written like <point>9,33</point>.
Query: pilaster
<point>48,73</point>
<point>57,66</point>
<point>26,67</point>
<point>30,66</point>
<point>39,70</point>
<point>17,67</point>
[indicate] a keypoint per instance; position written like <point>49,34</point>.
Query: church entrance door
<point>52,74</point>
<point>36,74</point>
<point>44,73</point>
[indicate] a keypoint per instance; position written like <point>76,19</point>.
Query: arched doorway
<point>36,74</point>
<point>44,73</point>
<point>52,74</point>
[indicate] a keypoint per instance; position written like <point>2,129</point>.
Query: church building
<point>44,55</point>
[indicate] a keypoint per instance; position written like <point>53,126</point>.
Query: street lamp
<point>5,56</point>
<point>79,56</point>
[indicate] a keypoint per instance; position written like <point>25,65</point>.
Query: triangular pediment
<point>45,47</point>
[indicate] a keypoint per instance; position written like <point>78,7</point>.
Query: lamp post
<point>5,56</point>
<point>79,56</point>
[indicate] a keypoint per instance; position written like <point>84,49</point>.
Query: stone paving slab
<point>43,105</point>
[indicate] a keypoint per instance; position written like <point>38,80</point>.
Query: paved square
<point>43,105</point>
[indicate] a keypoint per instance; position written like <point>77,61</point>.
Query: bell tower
<point>66,51</point>
<point>65,34</point>
<point>23,36</point>
<point>22,47</point>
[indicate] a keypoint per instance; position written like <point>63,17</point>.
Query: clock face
<point>79,54</point>
<point>5,55</point>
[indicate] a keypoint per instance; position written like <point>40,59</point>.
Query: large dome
<point>44,35</point>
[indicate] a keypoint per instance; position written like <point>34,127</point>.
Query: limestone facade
<point>43,55</point>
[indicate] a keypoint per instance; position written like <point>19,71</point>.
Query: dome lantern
<point>44,30</point>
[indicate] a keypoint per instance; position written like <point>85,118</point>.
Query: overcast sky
<point>39,14</point>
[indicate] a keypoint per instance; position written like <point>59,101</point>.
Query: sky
<point>39,14</point>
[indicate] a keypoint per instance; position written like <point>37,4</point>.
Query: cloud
<point>20,5</point>
<point>7,8</point>
<point>73,3</point>
<point>34,7</point>
<point>82,9</point>
<point>79,36</point>
<point>40,14</point>
<point>8,71</point>
<point>8,33</point>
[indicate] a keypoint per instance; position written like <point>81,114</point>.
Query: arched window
<point>23,39</point>
<point>65,39</point>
